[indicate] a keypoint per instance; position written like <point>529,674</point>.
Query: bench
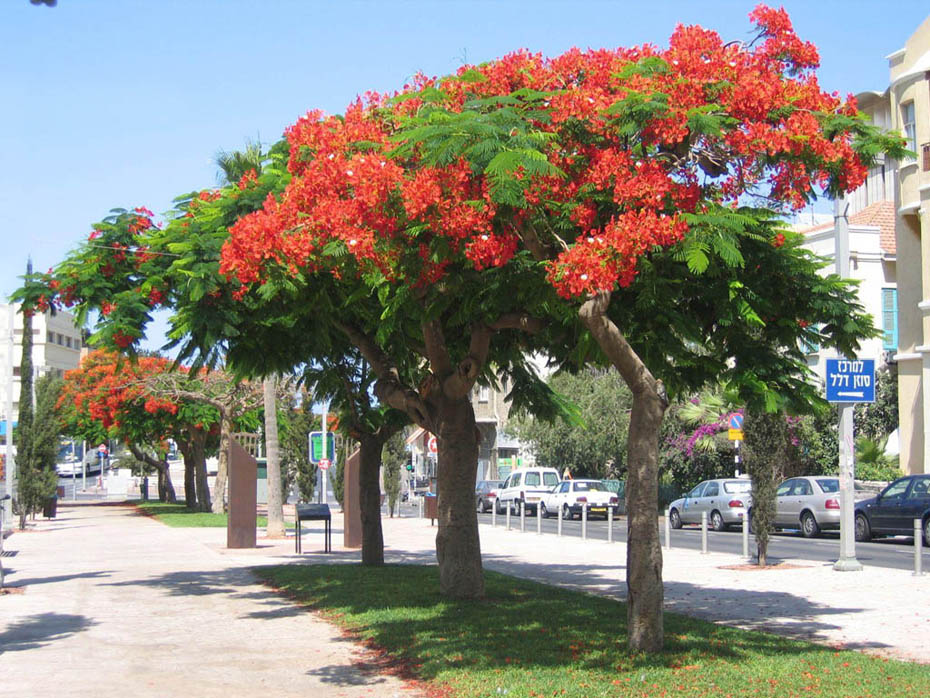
<point>315,512</point>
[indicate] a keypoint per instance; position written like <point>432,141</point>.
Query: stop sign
<point>324,464</point>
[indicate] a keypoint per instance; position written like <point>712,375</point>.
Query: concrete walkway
<point>117,602</point>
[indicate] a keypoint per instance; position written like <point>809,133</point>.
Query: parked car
<point>726,502</point>
<point>570,496</point>
<point>525,486</point>
<point>809,503</point>
<point>893,511</point>
<point>486,494</point>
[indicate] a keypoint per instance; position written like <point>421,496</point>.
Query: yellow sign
<point>736,434</point>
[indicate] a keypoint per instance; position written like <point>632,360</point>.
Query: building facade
<point>908,98</point>
<point>57,344</point>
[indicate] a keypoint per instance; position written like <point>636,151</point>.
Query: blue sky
<point>122,103</point>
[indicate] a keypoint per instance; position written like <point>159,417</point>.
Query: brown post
<point>243,497</point>
<point>351,507</point>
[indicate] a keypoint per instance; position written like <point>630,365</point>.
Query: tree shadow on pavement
<point>40,629</point>
<point>11,580</point>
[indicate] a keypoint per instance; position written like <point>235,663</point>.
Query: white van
<point>526,487</point>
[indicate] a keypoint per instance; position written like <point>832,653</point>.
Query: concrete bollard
<point>746,536</point>
<point>610,524</point>
<point>508,515</point>
<point>668,529</point>
<point>560,521</point>
<point>538,520</point>
<point>918,548</point>
<point>584,521</point>
<point>704,532</point>
<point>522,516</point>
<point>421,508</point>
<point>494,514</point>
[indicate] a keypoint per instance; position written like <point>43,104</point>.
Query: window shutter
<point>890,318</point>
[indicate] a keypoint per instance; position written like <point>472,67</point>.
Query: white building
<point>56,348</point>
<point>873,262</point>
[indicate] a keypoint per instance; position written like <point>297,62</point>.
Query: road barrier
<point>746,536</point>
<point>560,521</point>
<point>918,545</point>
<point>584,521</point>
<point>703,532</point>
<point>508,516</point>
<point>668,529</point>
<point>538,521</point>
<point>610,524</point>
<point>494,513</point>
<point>522,516</point>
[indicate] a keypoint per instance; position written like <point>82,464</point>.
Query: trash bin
<point>432,506</point>
<point>51,507</point>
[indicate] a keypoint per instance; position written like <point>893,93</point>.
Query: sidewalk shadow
<point>51,580</point>
<point>778,612</point>
<point>40,629</point>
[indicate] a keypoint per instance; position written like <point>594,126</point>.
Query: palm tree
<point>232,167</point>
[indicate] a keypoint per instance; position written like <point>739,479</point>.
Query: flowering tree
<point>632,187</point>
<point>107,398</point>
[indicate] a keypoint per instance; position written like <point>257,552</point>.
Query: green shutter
<point>890,318</point>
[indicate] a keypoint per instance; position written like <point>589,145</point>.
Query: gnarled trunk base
<point>369,500</point>
<point>458,546</point>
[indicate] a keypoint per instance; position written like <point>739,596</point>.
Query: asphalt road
<point>895,553</point>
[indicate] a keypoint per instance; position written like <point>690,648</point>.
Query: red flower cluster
<point>641,135</point>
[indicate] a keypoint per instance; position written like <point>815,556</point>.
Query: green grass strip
<point>179,516</point>
<point>529,639</point>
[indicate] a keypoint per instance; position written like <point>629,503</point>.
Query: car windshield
<point>551,479</point>
<point>829,484</point>
<point>590,487</point>
<point>737,486</point>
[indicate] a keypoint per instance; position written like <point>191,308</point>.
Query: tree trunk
<point>190,489</point>
<point>273,460</point>
<point>458,547</point>
<point>199,453</point>
<point>369,499</point>
<point>222,468</point>
<point>165,488</point>
<point>194,451</point>
<point>645,595</point>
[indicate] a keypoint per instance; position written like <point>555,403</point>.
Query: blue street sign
<point>736,421</point>
<point>316,447</point>
<point>850,380</point>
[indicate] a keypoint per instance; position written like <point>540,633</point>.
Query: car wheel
<point>809,526</point>
<point>674,518</point>
<point>543,511</point>
<point>566,512</point>
<point>498,508</point>
<point>927,531</point>
<point>480,506</point>
<point>716,521</point>
<point>863,529</point>
<point>516,507</point>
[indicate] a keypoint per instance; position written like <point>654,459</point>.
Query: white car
<point>525,487</point>
<point>570,496</point>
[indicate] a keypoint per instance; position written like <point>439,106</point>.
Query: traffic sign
<point>324,464</point>
<point>316,446</point>
<point>431,444</point>
<point>735,435</point>
<point>850,380</point>
<point>736,421</point>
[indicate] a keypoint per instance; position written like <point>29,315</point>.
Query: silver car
<point>725,501</point>
<point>811,503</point>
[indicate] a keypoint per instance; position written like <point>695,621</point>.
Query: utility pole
<point>847,561</point>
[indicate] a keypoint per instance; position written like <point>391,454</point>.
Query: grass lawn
<point>180,516</point>
<point>529,639</point>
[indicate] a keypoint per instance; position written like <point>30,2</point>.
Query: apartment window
<point>68,342</point>
<point>61,340</point>
<point>484,393</point>
<point>909,123</point>
<point>50,337</point>
<point>17,371</point>
<point>77,342</point>
<point>890,318</point>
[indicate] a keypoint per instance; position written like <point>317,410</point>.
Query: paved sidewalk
<point>117,602</point>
